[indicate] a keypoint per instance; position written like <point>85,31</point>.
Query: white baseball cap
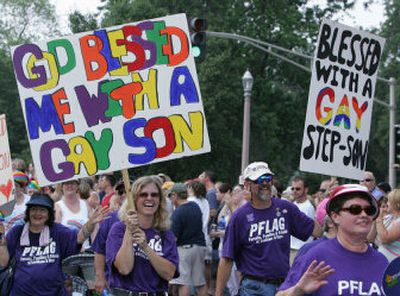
<point>255,170</point>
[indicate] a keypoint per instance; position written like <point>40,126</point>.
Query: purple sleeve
<point>12,239</point>
<point>99,244</point>
<point>114,242</point>
<point>301,226</point>
<point>295,273</point>
<point>69,240</point>
<point>170,250</point>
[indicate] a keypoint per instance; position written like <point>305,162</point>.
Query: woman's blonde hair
<point>161,220</point>
<point>394,198</point>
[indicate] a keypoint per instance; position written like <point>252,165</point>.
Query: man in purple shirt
<point>345,265</point>
<point>257,237</point>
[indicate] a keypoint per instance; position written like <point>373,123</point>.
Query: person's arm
<point>224,271</point>
<point>162,266</point>
<point>386,236</point>
<point>317,231</point>
<point>58,215</point>
<point>125,257</point>
<point>87,229</point>
<point>312,280</point>
<point>99,266</point>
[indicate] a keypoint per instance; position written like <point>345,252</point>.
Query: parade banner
<point>342,88</point>
<point>6,177</point>
<point>111,99</point>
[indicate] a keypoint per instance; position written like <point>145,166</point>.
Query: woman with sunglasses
<point>347,264</point>
<point>388,227</point>
<point>141,254</point>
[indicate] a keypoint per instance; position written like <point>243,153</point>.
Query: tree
<point>21,22</point>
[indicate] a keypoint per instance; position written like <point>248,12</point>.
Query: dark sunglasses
<point>296,188</point>
<point>146,194</point>
<point>263,178</point>
<point>368,180</point>
<point>357,209</point>
<point>322,190</point>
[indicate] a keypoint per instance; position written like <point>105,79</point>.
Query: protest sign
<point>338,119</point>
<point>111,99</point>
<point>6,177</point>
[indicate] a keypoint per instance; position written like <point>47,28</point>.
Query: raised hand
<point>139,237</point>
<point>314,277</point>
<point>132,221</point>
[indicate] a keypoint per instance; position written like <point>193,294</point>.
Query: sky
<point>370,18</point>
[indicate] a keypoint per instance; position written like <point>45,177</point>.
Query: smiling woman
<point>40,245</point>
<point>141,253</point>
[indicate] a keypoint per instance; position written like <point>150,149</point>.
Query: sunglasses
<point>368,180</point>
<point>147,194</point>
<point>357,209</point>
<point>322,190</point>
<point>296,188</point>
<point>263,178</point>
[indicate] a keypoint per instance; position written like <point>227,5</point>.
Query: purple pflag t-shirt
<point>143,277</point>
<point>258,240</point>
<point>38,268</point>
<point>355,273</point>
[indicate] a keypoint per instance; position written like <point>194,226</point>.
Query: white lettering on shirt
<point>40,255</point>
<point>267,230</point>
<point>356,288</point>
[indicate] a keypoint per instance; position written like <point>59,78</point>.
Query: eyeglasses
<point>263,178</point>
<point>296,188</point>
<point>322,190</point>
<point>357,209</point>
<point>147,194</point>
<point>367,180</point>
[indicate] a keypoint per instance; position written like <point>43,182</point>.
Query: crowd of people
<point>199,236</point>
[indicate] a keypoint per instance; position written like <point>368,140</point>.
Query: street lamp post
<point>247,81</point>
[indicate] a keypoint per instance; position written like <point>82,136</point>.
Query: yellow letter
<point>54,75</point>
<point>193,136</point>
<point>149,89</point>
<point>85,156</point>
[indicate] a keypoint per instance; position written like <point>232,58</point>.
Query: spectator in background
<point>388,227</point>
<point>21,198</point>
<point>345,265</point>
<point>322,191</point>
<point>187,226</point>
<point>208,178</point>
<point>301,201</point>
<point>18,164</point>
<point>321,208</point>
<point>106,184</point>
<point>369,181</point>
<point>71,211</point>
<point>33,187</point>
<point>119,197</point>
<point>87,192</point>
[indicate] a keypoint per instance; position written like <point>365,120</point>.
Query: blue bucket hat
<point>42,200</point>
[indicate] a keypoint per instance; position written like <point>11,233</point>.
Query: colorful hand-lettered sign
<point>6,177</point>
<point>111,99</point>
<point>338,120</point>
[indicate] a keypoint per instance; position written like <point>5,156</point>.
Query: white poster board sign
<point>6,177</point>
<point>111,99</point>
<point>342,88</point>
